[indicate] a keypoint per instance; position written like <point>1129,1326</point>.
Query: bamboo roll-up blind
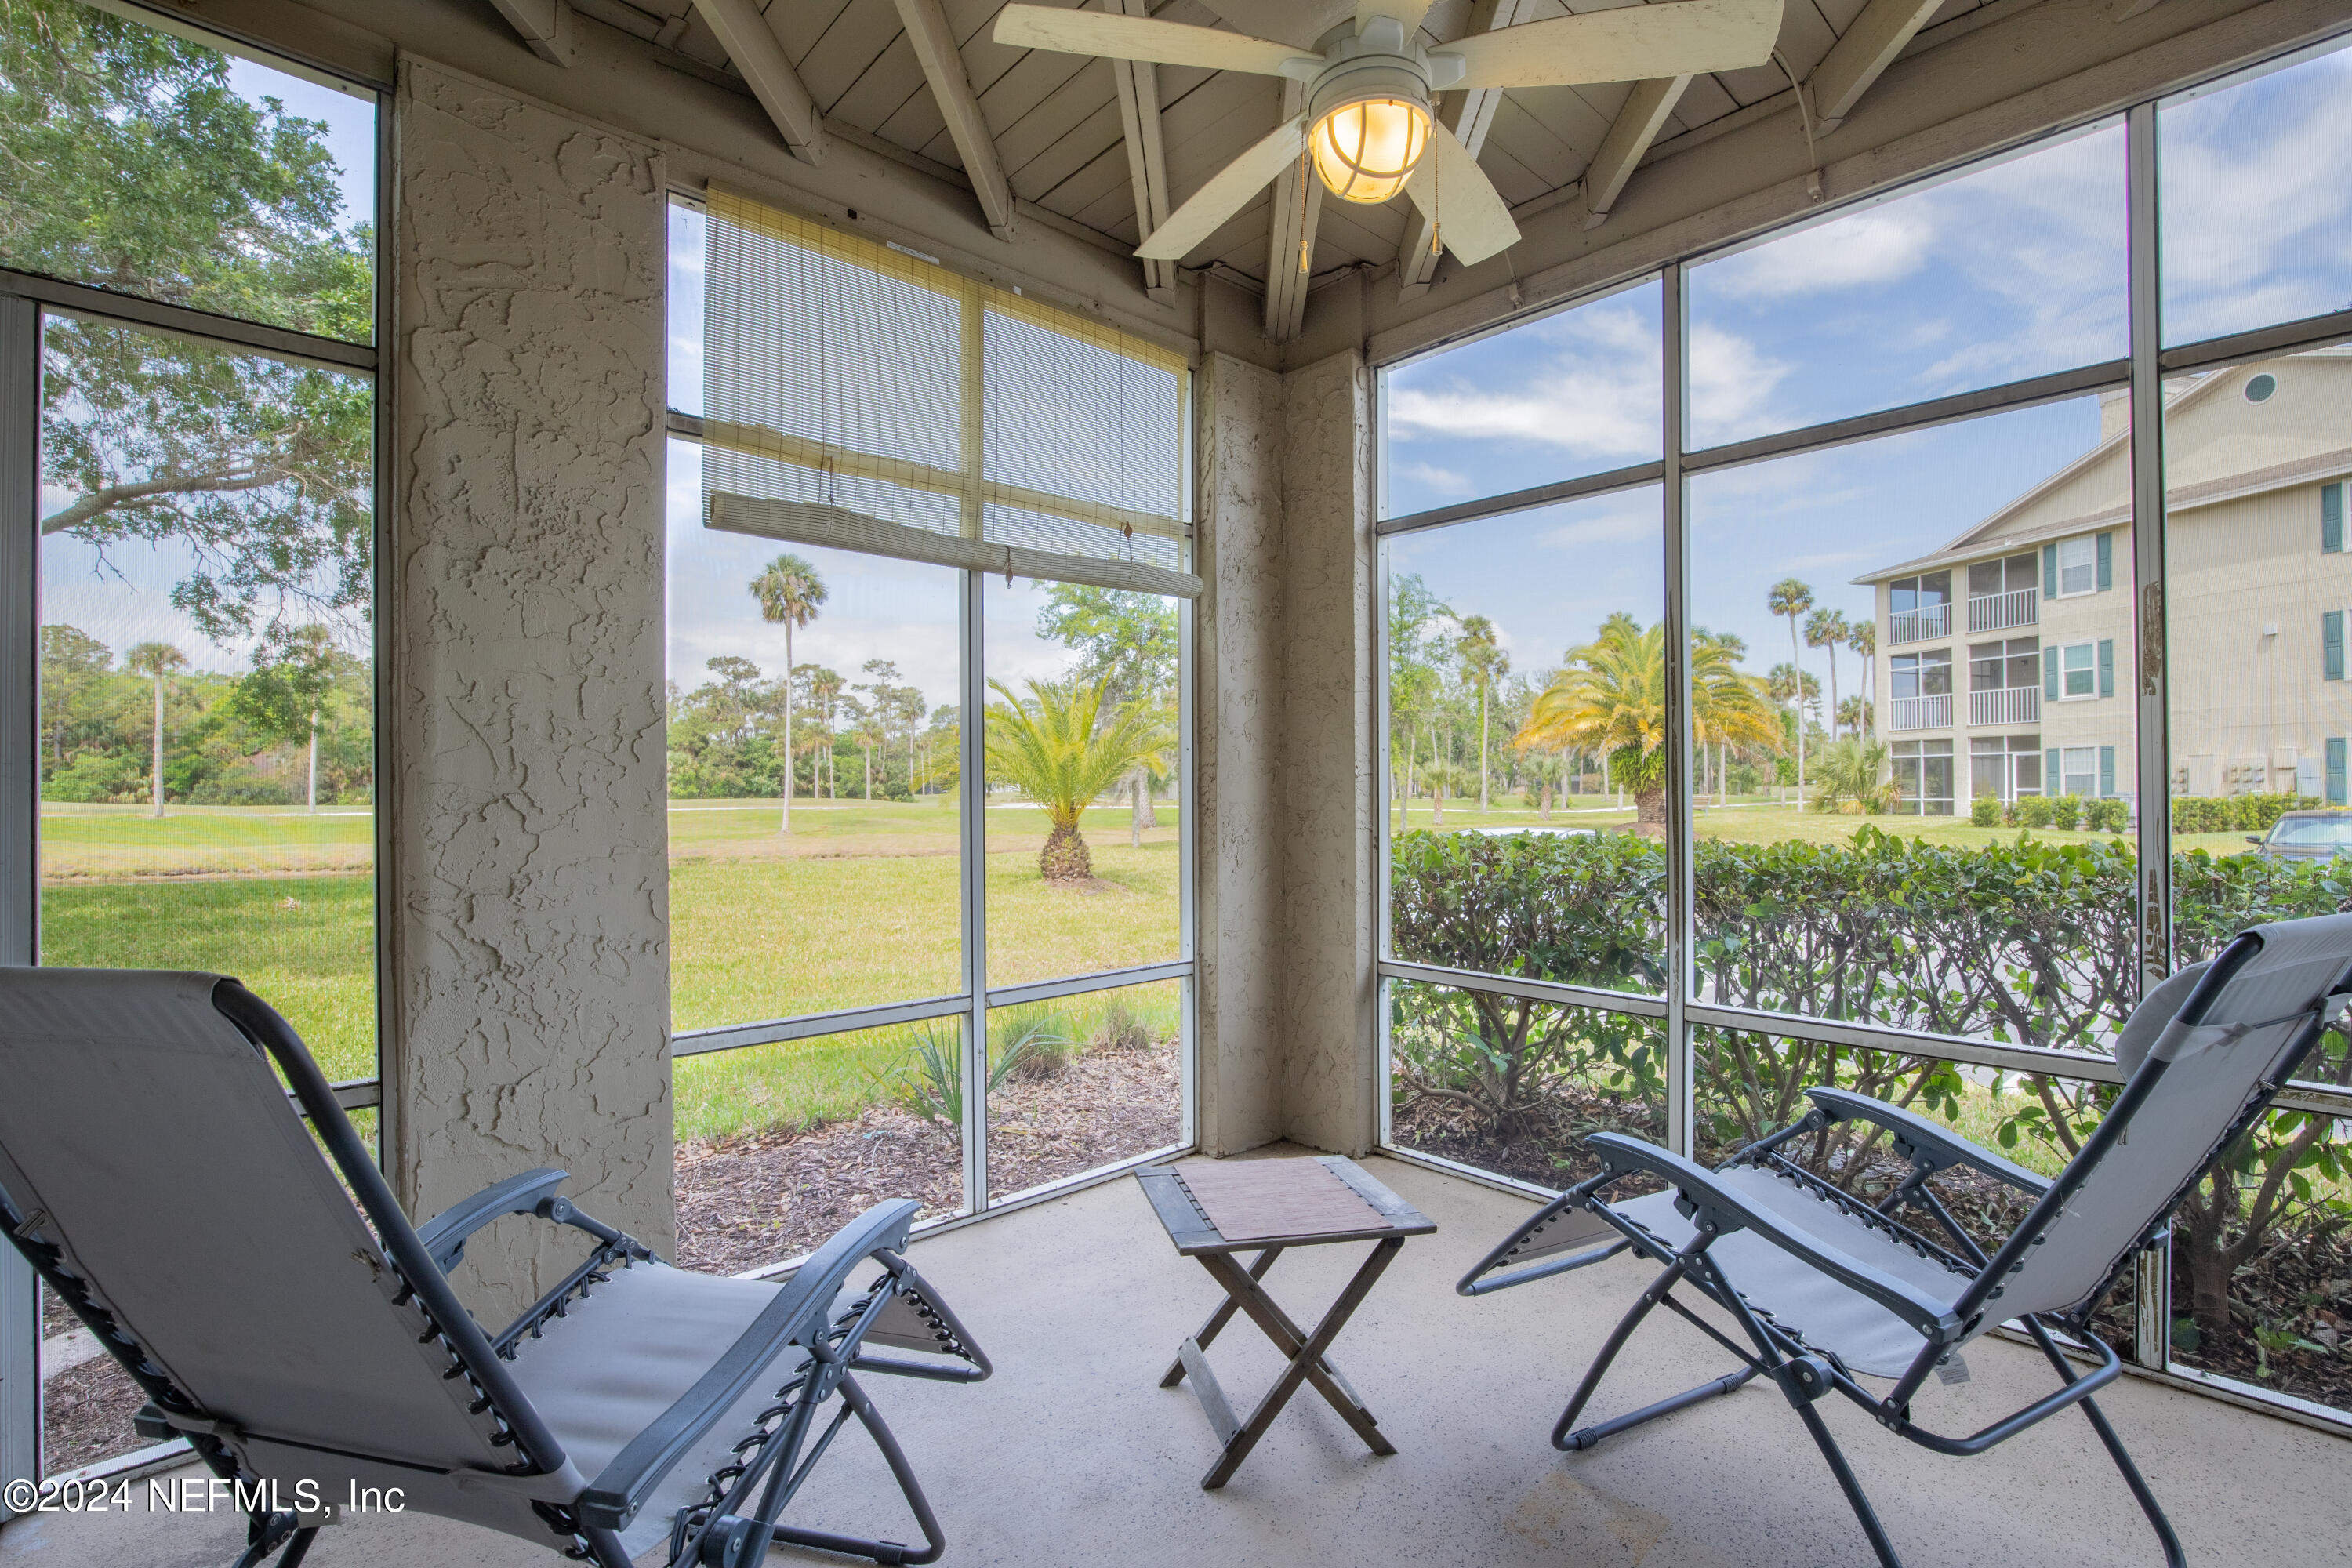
<point>865,397</point>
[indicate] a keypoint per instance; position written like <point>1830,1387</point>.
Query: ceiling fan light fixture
<point>1365,150</point>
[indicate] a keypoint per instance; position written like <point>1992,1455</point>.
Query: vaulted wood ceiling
<point>1053,121</point>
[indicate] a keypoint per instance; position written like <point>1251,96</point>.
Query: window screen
<point>868,398</point>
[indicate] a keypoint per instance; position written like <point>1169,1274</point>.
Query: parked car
<point>2306,836</point>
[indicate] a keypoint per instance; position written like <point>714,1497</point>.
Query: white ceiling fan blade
<point>1633,43</point>
<point>1408,12</point>
<point>1227,191</point>
<point>1454,193</point>
<point>1298,23</point>
<point>1121,38</point>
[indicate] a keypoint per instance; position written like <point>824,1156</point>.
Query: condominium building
<point>2007,656</point>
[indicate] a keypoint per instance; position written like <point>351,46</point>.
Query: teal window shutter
<point>2106,773</point>
<point>2050,571</point>
<point>2331,518</point>
<point>2335,772</point>
<point>2050,675</point>
<point>2331,646</point>
<point>2054,785</point>
<point>2106,665</point>
<point>2106,564</point>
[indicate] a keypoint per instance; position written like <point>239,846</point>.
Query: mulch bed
<point>747,1201</point>
<point>2298,1283</point>
<point>85,1413</point>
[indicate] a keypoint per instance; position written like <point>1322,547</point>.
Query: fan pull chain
<point>1305,245</point>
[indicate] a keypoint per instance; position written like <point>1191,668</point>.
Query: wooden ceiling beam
<point>1290,240</point>
<point>1147,150</point>
<point>1855,60</point>
<point>750,41</point>
<point>1469,115</point>
<point>544,25</point>
<point>942,62</point>
<point>1647,108</point>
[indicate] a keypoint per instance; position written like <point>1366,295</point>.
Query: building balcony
<point>1999,612</point>
<point>1921,712</point>
<point>2006,705</point>
<point>1919,624</point>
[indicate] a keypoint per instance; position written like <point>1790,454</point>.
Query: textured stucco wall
<point>1238,714</point>
<point>1324,756</point>
<point>531,893</point>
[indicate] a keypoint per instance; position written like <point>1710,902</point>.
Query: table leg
<point>1306,1363</point>
<point>1218,1319</point>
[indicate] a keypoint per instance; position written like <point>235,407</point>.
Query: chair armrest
<point>1699,1188</point>
<point>445,1233</point>
<point>796,1315</point>
<point>1925,1140</point>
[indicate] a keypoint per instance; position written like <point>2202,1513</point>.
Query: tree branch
<point>101,502</point>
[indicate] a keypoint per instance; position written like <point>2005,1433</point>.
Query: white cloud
<point>1437,480</point>
<point>1607,528</point>
<point>1731,384</point>
<point>1596,394</point>
<point>1880,245</point>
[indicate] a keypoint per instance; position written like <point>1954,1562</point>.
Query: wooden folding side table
<point>1213,1210</point>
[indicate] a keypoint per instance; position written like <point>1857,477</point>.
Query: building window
<point>1922,674</point>
<point>2079,670</point>
<point>1997,666</point>
<point>2079,770</point>
<point>1923,777</point>
<point>2004,766</point>
<point>2008,575</point>
<point>1919,607</point>
<point>2260,388</point>
<point>2078,567</point>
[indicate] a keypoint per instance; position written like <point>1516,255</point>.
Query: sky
<point>2003,272</point>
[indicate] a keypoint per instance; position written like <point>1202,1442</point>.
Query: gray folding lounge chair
<point>1825,1288</point>
<point>154,1173</point>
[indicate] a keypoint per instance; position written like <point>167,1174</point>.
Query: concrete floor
<point>1073,1455</point>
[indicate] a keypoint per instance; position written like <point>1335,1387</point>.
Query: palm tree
<point>1612,698</point>
<point>1855,715</point>
<point>789,593</point>
<point>1792,598</point>
<point>1483,662</point>
<point>1854,777</point>
<point>1864,639</point>
<point>1828,629</point>
<point>156,660</point>
<point>1057,747</point>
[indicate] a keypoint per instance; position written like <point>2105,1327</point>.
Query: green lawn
<point>303,943</point>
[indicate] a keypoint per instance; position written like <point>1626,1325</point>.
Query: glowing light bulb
<point>1366,151</point>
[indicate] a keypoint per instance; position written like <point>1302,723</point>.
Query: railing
<point>1999,612</point>
<point>1922,712</point>
<point>1919,624</point>
<point>2006,705</point>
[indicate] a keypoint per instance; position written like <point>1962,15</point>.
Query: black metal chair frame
<point>1805,1374</point>
<point>770,1461</point>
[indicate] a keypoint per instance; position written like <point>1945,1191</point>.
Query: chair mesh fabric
<point>1825,1313</point>
<point>142,1135</point>
<point>2210,1071</point>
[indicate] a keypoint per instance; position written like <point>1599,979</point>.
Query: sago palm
<point>1059,748</point>
<point>1610,696</point>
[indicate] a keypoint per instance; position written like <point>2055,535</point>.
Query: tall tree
<point>1414,679</point>
<point>283,699</point>
<point>1483,662</point>
<point>1827,628</point>
<point>71,662</point>
<point>790,594</point>
<point>1792,598</point>
<point>133,166</point>
<point>1862,637</point>
<point>1610,696</point>
<point>156,660</point>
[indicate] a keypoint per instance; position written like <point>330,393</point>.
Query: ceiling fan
<point>1367,123</point>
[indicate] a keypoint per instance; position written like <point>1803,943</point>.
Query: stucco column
<point>530,891</point>
<point>1237,708</point>
<point>1326,812</point>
